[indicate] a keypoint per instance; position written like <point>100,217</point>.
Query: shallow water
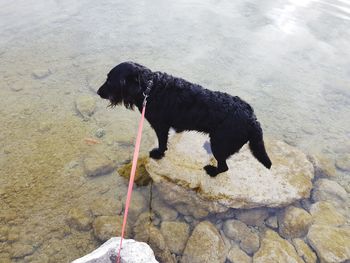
<point>289,59</point>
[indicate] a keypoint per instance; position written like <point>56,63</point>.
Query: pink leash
<point>132,175</point>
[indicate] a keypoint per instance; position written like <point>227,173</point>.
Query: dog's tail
<point>256,144</point>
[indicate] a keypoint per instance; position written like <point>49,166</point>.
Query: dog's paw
<point>211,170</point>
<point>156,154</point>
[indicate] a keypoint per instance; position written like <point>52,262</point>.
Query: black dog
<point>174,102</point>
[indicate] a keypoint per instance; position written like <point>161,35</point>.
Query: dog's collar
<point>147,91</point>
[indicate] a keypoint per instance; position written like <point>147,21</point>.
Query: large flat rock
<point>180,177</point>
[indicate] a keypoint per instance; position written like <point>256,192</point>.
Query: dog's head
<point>123,84</point>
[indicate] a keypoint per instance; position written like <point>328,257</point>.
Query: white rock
<point>132,252</point>
<point>247,184</point>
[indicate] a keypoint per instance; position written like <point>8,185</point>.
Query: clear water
<point>289,59</point>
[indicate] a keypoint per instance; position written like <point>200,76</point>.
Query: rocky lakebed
<point>295,212</point>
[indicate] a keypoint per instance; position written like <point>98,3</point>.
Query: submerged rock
<point>85,105</point>
<point>328,190</point>
<point>325,213</point>
<point>97,164</point>
<point>79,219</point>
<point>294,222</point>
<point>205,245</point>
<point>276,249</point>
<point>106,227</point>
<point>132,252</point>
<point>304,251</point>
<point>236,255</point>
<point>176,235</point>
<point>180,178</point>
<point>239,232</point>
<point>332,244</point>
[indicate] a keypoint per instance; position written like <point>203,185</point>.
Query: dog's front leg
<point>162,134</point>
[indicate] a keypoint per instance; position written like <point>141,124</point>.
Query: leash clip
<point>144,100</point>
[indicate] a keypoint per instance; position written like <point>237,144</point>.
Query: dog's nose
<point>98,92</point>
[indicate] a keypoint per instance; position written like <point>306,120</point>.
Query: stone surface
<point>4,232</point>
<point>97,164</point>
<point>328,190</point>
<point>175,235</point>
<point>19,250</point>
<point>105,207</point>
<point>272,222</point>
<point>294,222</point>
<point>332,244</point>
<point>304,251</point>
<point>239,232</point>
<point>79,219</point>
<point>325,213</point>
<point>247,184</point>
<point>276,249</point>
<point>141,175</point>
<point>236,255</point>
<point>132,252</point>
<point>106,227</point>
<point>343,162</point>
<point>145,231</point>
<point>253,217</point>
<point>165,212</point>
<point>205,245</point>
<point>85,105</point>
<point>324,166</point>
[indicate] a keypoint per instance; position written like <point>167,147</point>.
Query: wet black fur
<point>176,103</point>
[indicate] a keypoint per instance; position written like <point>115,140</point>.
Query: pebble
<point>41,73</point>
<point>100,133</point>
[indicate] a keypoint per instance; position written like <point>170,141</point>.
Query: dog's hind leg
<point>221,152</point>
<point>162,135</point>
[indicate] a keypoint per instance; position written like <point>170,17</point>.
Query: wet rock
<point>138,204</point>
<point>41,73</point>
<point>165,212</point>
<point>229,214</point>
<point>4,231</point>
<point>328,190</point>
<point>104,207</point>
<point>323,166</point>
<point>106,227</point>
<point>304,251</point>
<point>325,213</point>
<point>180,178</point>
<point>85,105</point>
<point>188,219</point>
<point>20,250</point>
<point>190,209</point>
<point>272,222</point>
<point>330,243</point>
<point>276,249</point>
<point>132,252</point>
<point>236,255</point>
<point>343,162</point>
<point>175,235</point>
<point>204,245</point>
<point>239,232</point>
<point>294,222</point>
<point>142,177</point>
<point>145,231</point>
<point>79,219</point>
<point>253,217</point>
<point>97,164</point>
<point>5,258</point>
